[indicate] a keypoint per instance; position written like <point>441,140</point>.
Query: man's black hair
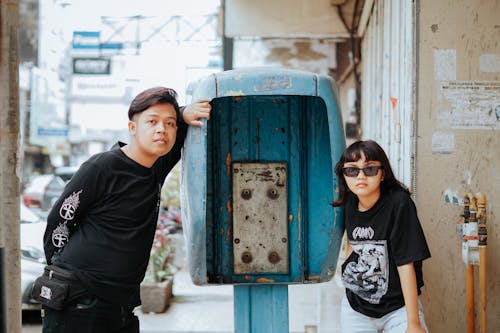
<point>154,96</point>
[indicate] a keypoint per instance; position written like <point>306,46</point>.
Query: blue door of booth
<point>290,131</point>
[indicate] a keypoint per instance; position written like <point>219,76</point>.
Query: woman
<point>386,245</point>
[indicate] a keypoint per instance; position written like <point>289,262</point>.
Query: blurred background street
<point>422,78</point>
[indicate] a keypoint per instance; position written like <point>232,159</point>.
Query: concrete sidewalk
<point>209,309</point>
<point>313,308</point>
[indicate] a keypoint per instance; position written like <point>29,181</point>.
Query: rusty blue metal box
<point>258,179</point>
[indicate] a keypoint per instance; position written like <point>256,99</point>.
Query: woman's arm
<point>348,248</point>
<point>409,287</point>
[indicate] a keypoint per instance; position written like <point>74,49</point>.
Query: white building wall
<point>388,83</point>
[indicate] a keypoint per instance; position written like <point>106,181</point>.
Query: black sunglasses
<point>369,171</point>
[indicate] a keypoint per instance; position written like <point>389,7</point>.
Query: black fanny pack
<point>57,287</point>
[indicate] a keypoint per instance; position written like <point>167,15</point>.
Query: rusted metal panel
<point>260,224</point>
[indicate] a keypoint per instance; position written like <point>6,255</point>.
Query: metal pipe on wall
<point>483,234</point>
<point>468,235</point>
<point>469,298</point>
<point>482,289</point>
<point>474,236</point>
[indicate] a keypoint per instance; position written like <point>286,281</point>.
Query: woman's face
<point>363,185</point>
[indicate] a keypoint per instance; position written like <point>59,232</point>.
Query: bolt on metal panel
<point>260,234</point>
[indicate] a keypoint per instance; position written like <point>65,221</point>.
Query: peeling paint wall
<point>458,139</point>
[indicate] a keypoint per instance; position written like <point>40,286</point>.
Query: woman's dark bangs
<point>371,154</point>
<point>353,155</point>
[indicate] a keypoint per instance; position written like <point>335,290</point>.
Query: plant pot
<point>155,296</point>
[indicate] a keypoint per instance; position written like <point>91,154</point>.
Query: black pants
<point>89,314</point>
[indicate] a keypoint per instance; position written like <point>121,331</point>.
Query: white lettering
<point>361,232</point>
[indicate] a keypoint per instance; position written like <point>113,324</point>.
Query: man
<point>102,227</point>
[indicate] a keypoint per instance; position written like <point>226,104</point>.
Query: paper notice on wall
<point>443,142</point>
<point>469,105</point>
<point>489,63</point>
<point>445,65</point>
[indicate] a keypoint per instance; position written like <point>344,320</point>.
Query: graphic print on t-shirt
<point>368,277</point>
<point>60,235</point>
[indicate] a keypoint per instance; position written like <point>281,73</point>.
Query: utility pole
<point>227,42</point>
<point>10,292</point>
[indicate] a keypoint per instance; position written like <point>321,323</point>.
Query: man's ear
<point>132,127</point>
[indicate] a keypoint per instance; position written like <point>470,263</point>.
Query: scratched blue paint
<point>264,115</point>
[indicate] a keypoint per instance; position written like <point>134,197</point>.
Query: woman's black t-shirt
<point>386,236</point>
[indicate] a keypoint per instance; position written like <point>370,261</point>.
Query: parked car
<point>66,172</point>
<point>32,229</point>
<point>42,191</point>
<point>28,216</point>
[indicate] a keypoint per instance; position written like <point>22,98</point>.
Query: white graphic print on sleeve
<point>60,235</point>
<point>69,206</point>
<point>369,276</point>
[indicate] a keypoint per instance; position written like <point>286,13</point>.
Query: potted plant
<point>156,288</point>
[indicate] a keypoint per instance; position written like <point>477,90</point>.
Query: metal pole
<point>10,295</point>
<point>227,42</point>
<point>2,293</point>
<point>261,308</point>
<point>227,45</point>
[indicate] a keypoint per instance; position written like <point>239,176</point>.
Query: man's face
<point>154,130</point>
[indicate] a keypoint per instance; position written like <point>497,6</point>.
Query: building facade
<point>422,79</point>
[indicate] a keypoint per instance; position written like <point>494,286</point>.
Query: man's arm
<point>78,196</point>
<point>191,114</point>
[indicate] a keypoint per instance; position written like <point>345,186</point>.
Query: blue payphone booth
<point>257,183</point>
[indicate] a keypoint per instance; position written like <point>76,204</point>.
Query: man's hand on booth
<point>195,111</point>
